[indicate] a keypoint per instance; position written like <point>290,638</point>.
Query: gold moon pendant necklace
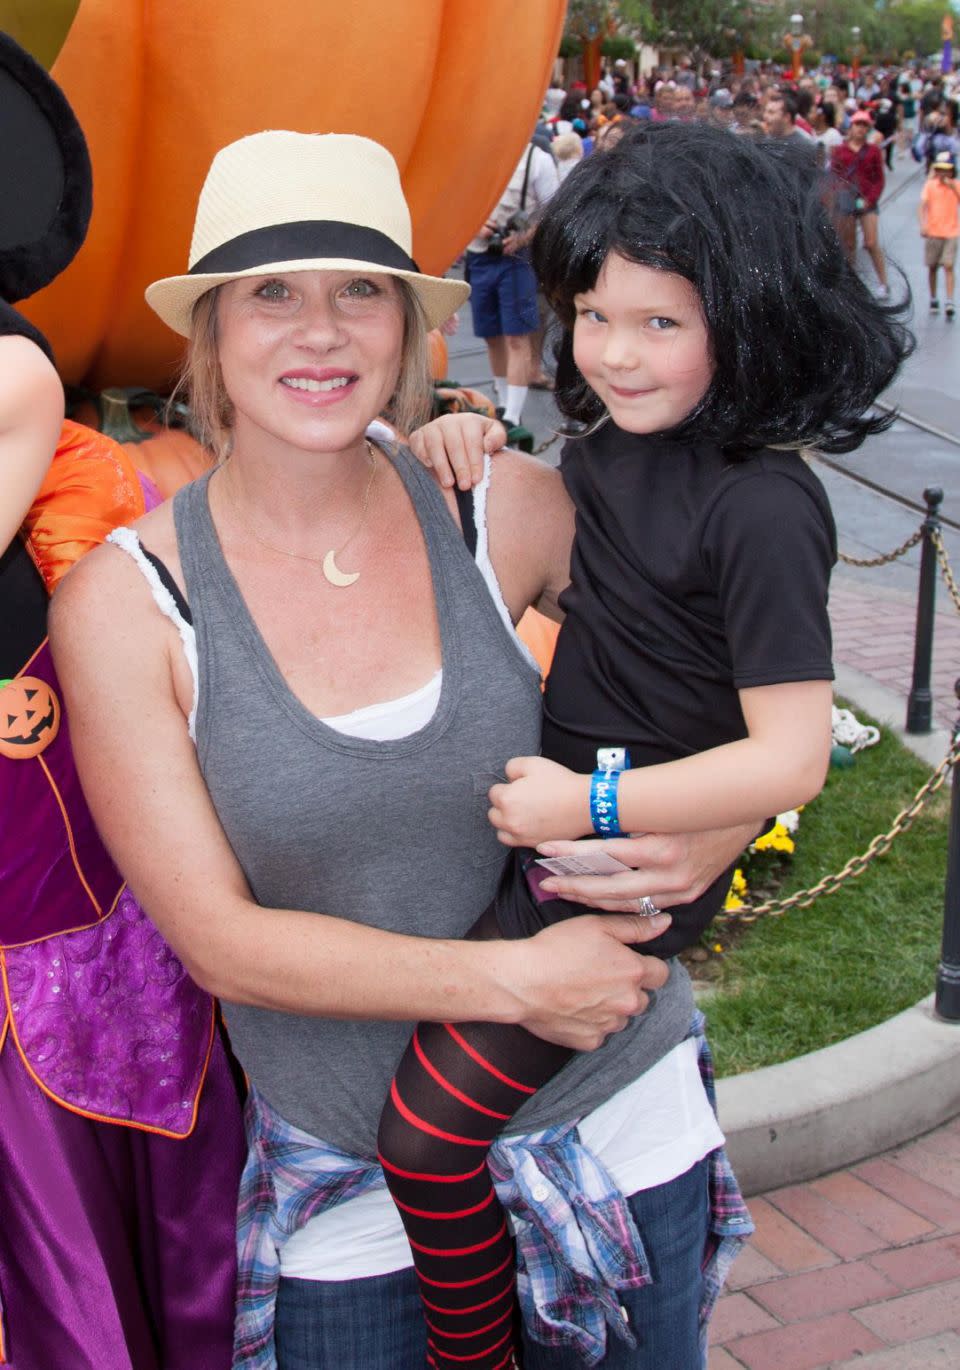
<point>328,562</point>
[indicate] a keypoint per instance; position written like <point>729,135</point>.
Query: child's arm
<point>780,764</point>
<point>31,416</point>
<point>454,447</point>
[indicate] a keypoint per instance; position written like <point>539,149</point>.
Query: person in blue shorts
<point>503,287</point>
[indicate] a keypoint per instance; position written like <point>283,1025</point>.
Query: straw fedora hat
<point>278,202</point>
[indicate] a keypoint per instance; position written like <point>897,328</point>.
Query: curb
<point>889,708</point>
<point>824,1111</point>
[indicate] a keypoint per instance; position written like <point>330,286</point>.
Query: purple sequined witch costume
<point>118,1177</point>
<point>120,1134</point>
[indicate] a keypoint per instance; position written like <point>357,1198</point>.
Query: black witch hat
<point>46,185</point>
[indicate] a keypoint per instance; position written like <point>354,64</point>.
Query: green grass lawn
<point>852,959</point>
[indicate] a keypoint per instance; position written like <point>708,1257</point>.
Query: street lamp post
<point>795,41</point>
<point>857,50</point>
<point>743,17</point>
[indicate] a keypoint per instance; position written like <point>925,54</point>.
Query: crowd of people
<point>855,123</point>
<point>820,105</point>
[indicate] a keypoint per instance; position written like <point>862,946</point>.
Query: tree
<point>698,26</point>
<point>888,28</point>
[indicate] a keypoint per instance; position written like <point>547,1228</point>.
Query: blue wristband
<point>611,763</point>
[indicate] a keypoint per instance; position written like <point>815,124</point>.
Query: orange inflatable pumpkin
<point>160,85</point>
<point>540,635</point>
<point>170,458</point>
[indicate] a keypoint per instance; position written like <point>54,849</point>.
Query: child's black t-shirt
<point>692,576</point>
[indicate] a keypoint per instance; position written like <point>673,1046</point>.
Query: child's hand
<point>454,447</point>
<point>542,801</point>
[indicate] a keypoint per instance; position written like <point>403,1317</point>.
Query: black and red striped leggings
<point>453,1093</point>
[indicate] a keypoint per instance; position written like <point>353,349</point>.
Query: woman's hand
<point>669,868</point>
<point>454,447</point>
<point>541,801</point>
<point>578,981</point>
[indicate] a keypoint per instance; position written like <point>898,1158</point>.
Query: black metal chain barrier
<point>549,443</point>
<point>901,551</point>
<point>857,864</point>
<point>933,558</point>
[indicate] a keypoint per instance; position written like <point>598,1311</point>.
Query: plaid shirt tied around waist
<point>577,1242</point>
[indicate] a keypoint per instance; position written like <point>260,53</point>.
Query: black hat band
<point>305,240</point>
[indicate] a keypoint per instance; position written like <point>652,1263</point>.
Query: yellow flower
<point>777,839</point>
<point>738,887</point>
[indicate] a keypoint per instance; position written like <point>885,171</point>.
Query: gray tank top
<point>388,833</point>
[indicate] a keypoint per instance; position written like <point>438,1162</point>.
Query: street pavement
<point>860,1267</point>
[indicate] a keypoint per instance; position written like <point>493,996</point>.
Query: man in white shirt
<point>504,289</point>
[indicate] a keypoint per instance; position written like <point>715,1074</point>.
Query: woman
<point>113,1084</point>
<point>857,167</point>
<point>356,687</point>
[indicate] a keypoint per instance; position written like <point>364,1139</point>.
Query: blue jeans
<point>377,1323</point>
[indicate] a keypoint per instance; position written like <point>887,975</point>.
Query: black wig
<point>800,345</point>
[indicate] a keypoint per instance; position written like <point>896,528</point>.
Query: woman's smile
<point>319,387</point>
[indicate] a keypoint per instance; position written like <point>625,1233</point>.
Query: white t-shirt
<point>543,181</point>
<point>829,138</point>
<point>648,1133</point>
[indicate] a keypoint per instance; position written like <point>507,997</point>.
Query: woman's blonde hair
<point>200,382</point>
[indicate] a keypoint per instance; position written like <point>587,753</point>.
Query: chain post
<point>920,701</point>
<point>947,998</point>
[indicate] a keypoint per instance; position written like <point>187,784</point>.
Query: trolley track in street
<point>941,435</point>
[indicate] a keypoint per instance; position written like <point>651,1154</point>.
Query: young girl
<point>711,328</point>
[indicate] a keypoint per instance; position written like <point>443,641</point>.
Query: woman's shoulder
<point>522,486</point>
<point>530,523</point>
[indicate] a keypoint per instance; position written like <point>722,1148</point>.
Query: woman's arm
<point>118,662</point>
<point>31,416</point>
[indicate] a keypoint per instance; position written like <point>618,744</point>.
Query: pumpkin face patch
<point>29,717</point>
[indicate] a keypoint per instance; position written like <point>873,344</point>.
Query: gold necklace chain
<point>328,561</point>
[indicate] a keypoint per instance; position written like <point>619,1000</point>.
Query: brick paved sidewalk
<point>858,1269</point>
<point>873,631</point>
<point>862,1267</point>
